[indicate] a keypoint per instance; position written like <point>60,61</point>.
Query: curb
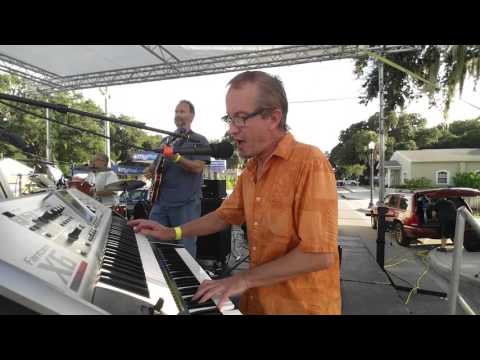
<point>446,271</point>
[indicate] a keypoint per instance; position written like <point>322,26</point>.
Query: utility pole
<point>371,148</point>
<point>381,177</point>
<point>382,210</point>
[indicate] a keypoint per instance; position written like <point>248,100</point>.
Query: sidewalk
<point>406,267</point>
<point>469,270</point>
<point>365,288</point>
<point>403,265</point>
<point>441,263</point>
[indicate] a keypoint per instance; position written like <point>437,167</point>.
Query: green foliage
<point>426,138</point>
<point>354,171</point>
<point>122,135</point>
<point>68,145</point>
<point>419,183</point>
<point>406,145</point>
<point>462,127</point>
<point>231,181</point>
<point>448,67</point>
<point>401,134</point>
<point>467,179</point>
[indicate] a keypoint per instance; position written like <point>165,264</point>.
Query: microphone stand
<point>65,109</point>
<point>97,134</point>
<point>228,269</point>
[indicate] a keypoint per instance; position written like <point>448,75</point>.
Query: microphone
<point>14,139</point>
<point>223,150</point>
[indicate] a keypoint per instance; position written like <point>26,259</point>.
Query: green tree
<point>467,179</point>
<point>354,171</point>
<point>471,139</point>
<point>425,138</point>
<point>400,131</point>
<point>122,136</point>
<point>448,66</point>
<point>461,127</point>
<point>68,145</point>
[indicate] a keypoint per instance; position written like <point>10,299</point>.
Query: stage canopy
<point>72,67</point>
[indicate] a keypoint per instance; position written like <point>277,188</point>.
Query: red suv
<point>412,215</point>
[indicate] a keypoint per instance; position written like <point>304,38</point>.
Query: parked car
<point>351,182</point>
<point>404,218</point>
<point>347,182</point>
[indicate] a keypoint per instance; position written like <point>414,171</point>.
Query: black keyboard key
<point>208,312</point>
<point>124,277</point>
<point>123,285</point>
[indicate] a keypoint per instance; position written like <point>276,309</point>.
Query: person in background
<point>446,214</point>
<point>180,190</point>
<point>100,177</point>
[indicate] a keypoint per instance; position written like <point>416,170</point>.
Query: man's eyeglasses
<point>239,121</point>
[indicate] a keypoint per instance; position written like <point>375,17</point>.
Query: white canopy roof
<point>71,67</point>
<point>11,167</point>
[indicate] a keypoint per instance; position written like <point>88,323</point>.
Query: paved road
<point>409,267</point>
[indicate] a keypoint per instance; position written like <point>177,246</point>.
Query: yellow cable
<point>396,257</point>
<point>414,290</point>
<point>395,264</point>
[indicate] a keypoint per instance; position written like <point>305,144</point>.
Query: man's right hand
<point>152,228</point>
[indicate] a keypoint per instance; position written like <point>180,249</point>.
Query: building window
<point>442,177</point>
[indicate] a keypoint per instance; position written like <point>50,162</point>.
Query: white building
<point>438,165</point>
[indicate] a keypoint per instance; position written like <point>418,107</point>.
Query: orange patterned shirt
<point>293,204</point>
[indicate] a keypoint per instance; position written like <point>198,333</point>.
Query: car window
<point>393,201</point>
<point>403,203</point>
<point>387,199</point>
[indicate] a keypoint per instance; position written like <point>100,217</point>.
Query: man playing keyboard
<point>287,197</point>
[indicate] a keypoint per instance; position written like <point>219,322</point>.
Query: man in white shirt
<point>101,177</point>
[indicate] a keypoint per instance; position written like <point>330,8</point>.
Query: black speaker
<point>214,246</point>
<point>214,188</point>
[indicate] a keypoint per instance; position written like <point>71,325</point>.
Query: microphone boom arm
<point>65,109</point>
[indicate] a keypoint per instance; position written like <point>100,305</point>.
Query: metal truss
<point>30,72</point>
<point>171,67</point>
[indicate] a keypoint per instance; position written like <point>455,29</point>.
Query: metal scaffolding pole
<point>49,142</point>
<point>106,126</point>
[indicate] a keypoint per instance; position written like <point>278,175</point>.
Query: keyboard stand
<point>228,269</point>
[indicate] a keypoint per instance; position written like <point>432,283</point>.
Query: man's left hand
<point>223,288</point>
<point>167,152</point>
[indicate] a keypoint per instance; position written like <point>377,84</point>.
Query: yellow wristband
<point>177,158</point>
<point>178,233</point>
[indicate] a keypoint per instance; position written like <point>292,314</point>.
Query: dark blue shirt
<point>178,185</point>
